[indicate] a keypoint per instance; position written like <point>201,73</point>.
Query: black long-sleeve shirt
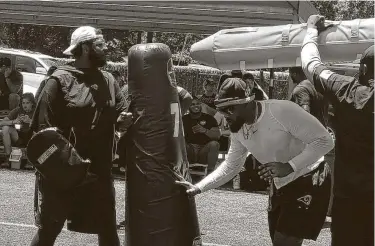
<point>353,104</point>
<point>69,101</point>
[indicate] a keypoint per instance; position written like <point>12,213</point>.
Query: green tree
<point>349,10</point>
<point>52,40</point>
<point>180,44</point>
<point>326,8</point>
<point>46,39</point>
<point>345,10</point>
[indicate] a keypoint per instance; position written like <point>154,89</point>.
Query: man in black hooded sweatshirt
<point>84,102</point>
<point>353,102</point>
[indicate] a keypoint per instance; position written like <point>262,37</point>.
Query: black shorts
<point>299,208</point>
<point>90,208</point>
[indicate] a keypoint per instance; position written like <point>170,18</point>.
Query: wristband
<point>198,191</point>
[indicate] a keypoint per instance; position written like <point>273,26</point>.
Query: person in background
<point>224,131</point>
<point>237,74</point>
<point>15,86</point>
<point>11,85</point>
<point>208,97</point>
<point>305,95</point>
<point>119,78</point>
<point>19,116</point>
<point>185,99</point>
<point>201,136</point>
<point>223,77</point>
<point>5,69</point>
<point>253,88</point>
<point>221,121</point>
<point>353,103</point>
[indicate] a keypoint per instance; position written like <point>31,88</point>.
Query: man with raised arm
<point>353,103</point>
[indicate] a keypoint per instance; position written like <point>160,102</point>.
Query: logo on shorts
<point>305,199</point>
<point>318,178</point>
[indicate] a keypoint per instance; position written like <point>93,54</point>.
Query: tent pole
<point>150,36</point>
<point>270,89</point>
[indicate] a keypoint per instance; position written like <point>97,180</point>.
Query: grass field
<point>226,217</point>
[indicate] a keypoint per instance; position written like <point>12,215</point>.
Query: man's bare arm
<point>228,169</point>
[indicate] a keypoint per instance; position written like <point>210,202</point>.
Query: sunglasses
<point>226,111</point>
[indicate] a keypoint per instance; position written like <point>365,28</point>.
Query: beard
<point>236,125</point>
<point>97,60</point>
<point>366,80</point>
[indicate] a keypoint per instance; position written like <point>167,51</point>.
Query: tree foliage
<point>52,40</point>
<point>345,10</point>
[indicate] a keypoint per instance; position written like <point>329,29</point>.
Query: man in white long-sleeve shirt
<point>289,142</point>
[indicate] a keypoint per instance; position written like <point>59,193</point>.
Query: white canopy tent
<point>279,46</point>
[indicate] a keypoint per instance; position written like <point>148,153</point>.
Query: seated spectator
<point>201,136</point>
<point>221,122</point>
<point>222,79</point>
<point>19,116</point>
<point>237,73</point>
<point>224,131</point>
<point>11,85</point>
<point>253,88</point>
<point>185,99</point>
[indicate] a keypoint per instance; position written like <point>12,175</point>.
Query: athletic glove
<point>317,22</point>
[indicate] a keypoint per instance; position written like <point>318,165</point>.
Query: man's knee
<point>14,100</point>
<point>213,146</point>
<point>5,129</point>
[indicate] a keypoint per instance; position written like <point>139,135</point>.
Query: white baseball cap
<point>80,35</point>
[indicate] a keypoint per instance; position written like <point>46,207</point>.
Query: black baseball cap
<point>232,89</point>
